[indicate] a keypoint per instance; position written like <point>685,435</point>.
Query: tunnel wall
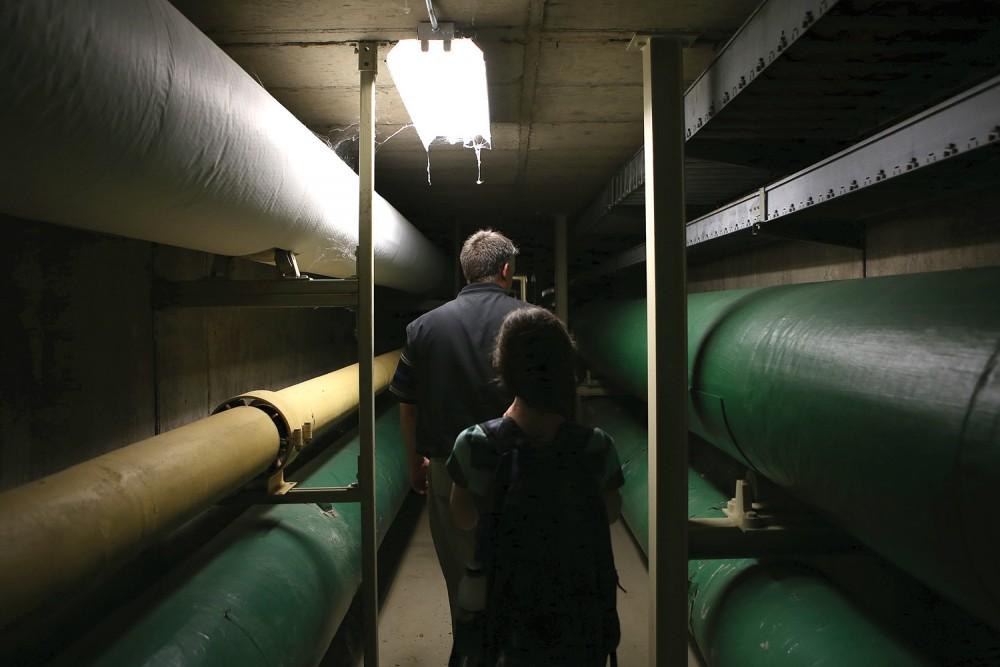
<point>90,366</point>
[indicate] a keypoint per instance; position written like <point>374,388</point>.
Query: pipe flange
<point>293,430</point>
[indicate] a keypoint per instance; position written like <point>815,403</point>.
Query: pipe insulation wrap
<point>86,521</point>
<point>119,116</point>
<point>271,589</point>
<point>876,401</point>
<point>746,612</point>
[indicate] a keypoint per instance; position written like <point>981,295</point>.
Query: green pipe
<point>744,612</point>
<point>876,401</point>
<point>269,590</point>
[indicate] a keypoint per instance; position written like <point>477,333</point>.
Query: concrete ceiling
<point>565,95</point>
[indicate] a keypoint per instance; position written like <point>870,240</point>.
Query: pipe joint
<point>295,432</point>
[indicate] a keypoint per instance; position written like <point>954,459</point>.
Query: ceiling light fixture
<point>442,81</point>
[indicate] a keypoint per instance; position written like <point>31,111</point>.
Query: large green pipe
<point>876,400</point>
<point>269,590</point>
<point>747,613</point>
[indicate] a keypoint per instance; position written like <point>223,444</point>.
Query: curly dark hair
<point>535,358</point>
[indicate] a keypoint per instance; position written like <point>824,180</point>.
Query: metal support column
<point>368,67</point>
<point>562,272</point>
<point>666,298</point>
<point>457,241</point>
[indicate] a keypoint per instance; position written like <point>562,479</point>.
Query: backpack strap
<point>505,438</point>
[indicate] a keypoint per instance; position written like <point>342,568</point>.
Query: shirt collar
<point>481,287</point>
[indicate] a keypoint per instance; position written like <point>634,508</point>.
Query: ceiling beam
<point>335,36</point>
<point>529,81</point>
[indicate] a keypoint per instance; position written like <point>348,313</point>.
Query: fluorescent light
<point>443,91</point>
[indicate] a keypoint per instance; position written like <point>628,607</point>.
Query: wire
<point>432,15</point>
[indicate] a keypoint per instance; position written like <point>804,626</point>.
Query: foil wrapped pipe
<point>120,116</point>
<point>875,401</point>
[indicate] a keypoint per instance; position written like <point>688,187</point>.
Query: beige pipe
<point>325,399</point>
<point>84,522</point>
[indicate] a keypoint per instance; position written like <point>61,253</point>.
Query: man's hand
<point>418,474</point>
<point>417,463</point>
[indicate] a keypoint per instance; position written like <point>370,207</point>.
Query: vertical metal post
<point>457,241</point>
<point>368,67</point>
<point>666,298</point>
<point>562,270</point>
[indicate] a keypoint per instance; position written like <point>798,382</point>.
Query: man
<point>445,383</point>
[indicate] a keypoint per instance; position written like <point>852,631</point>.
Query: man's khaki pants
<point>454,546</point>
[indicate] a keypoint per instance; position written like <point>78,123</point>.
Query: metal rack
<point>277,293</point>
<point>291,289</point>
<point>802,80</point>
<point>946,150</point>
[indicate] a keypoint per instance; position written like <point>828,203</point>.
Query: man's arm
<point>404,387</point>
<point>417,463</point>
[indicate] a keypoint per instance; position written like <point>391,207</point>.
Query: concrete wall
<point>957,236</point>
<point>89,366</point>
<point>949,235</point>
<point>778,264</point>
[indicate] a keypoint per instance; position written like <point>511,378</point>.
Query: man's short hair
<point>484,254</point>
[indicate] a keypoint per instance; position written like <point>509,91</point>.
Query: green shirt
<point>473,461</point>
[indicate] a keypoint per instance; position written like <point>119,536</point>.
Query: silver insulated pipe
<point>120,116</point>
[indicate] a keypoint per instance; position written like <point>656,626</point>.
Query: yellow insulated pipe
<point>87,520</point>
<point>327,398</point>
<point>84,522</point>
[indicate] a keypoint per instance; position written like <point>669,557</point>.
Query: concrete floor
<point>414,627</point>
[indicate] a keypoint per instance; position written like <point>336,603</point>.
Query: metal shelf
<point>276,293</point>
<point>706,185</point>
<point>946,150</point>
<point>802,79</point>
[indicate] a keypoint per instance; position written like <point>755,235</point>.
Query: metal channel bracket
<point>755,528</point>
<point>290,289</point>
<point>295,433</point>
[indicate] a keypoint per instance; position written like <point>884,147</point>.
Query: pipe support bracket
<point>295,432</point>
<point>753,529</point>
